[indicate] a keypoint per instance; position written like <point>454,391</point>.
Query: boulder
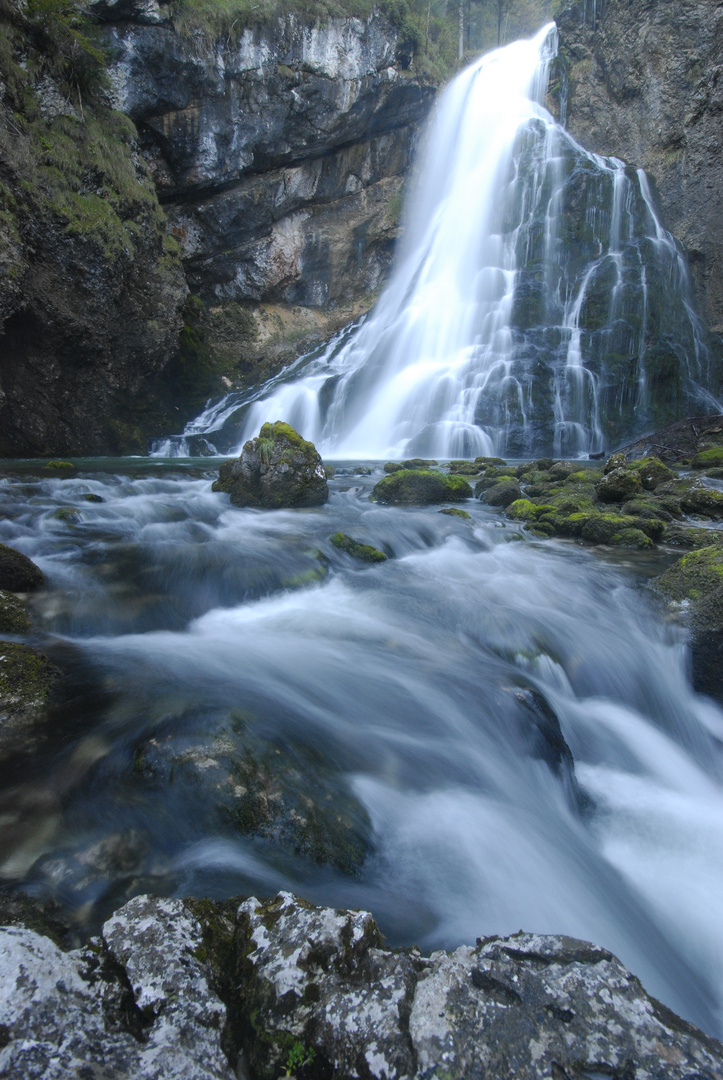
<point>276,470</point>
<point>619,485</point>
<point>27,680</point>
<point>420,487</point>
<point>18,573</point>
<point>696,580</point>
<point>13,616</point>
<point>179,989</point>
<point>502,494</point>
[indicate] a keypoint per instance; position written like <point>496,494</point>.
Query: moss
<point>694,575</point>
<point>464,468</point>
<point>13,615</point>
<point>653,472</point>
<point>66,465</point>
<point>363,552</point>
<point>706,459</point>
<point>501,494</point>
<point>454,511</point>
<point>27,678</point>
<point>408,487</point>
<point>523,510</point>
<point>67,514</point>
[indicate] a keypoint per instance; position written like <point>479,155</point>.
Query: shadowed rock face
<point>176,989</point>
<point>279,158</point>
<point>643,83</point>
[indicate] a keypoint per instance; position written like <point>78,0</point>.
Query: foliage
<point>428,29</point>
<point>299,1057</point>
<point>70,41</point>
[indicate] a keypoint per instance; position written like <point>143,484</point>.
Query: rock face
<point>192,989</point>
<point>276,470</point>
<point>92,284</point>
<point>278,154</point>
<point>643,83</point>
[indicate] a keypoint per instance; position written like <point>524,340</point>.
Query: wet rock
<point>137,1003</point>
<point>193,990</point>
<point>465,468</point>
<point>18,573</point>
<point>708,459</point>
<point>454,511</point>
<point>410,487</point>
<point>502,494</point>
<point>276,470</point>
<point>703,502</point>
<point>696,580</point>
<point>13,615</point>
<point>363,552</point>
<point>619,485</point>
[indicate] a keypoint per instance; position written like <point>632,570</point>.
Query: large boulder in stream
<point>276,470</point>
<point>184,989</point>
<point>18,573</point>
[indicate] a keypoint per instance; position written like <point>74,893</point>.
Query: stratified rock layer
<point>201,991</point>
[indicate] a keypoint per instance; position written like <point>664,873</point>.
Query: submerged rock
<point>420,487</point>
<point>18,573</point>
<point>27,680</point>
<point>178,989</point>
<point>364,552</point>
<point>276,470</point>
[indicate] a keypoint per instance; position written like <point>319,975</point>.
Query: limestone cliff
<point>644,84</point>
<point>278,154</point>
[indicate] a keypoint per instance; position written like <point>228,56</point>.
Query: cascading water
<point>536,305</point>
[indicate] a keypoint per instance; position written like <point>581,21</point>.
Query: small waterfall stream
<point>536,305</point>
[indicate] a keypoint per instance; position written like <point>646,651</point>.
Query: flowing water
<point>536,305</point>
<point>480,734</point>
<point>504,729</point>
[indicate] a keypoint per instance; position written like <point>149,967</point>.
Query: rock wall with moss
<point>92,282</point>
<point>279,149</point>
<point>642,81</point>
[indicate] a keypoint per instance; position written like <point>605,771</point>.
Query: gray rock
<point>276,470</point>
<point>145,1001</point>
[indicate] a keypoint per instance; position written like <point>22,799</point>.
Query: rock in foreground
<point>192,989</point>
<point>276,470</point>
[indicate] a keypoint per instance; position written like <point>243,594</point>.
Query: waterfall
<point>537,304</point>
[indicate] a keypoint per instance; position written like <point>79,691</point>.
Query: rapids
<point>427,687</point>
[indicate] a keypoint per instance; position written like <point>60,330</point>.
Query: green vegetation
<point>299,1057</point>
<point>410,487</point>
<point>430,40</point>
<point>363,552</point>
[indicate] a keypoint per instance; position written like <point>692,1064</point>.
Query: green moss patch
<point>409,487</point>
<point>363,552</point>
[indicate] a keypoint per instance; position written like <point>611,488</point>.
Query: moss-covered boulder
<point>619,485</point>
<point>502,494</point>
<point>276,470</point>
<point>18,573</point>
<point>652,472</point>
<point>465,468</point>
<point>708,459</point>
<point>420,487</point>
<point>13,616</point>
<point>27,680</point>
<point>363,552</point>
<point>704,502</point>
<point>697,578</point>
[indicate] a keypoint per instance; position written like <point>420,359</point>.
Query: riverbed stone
<point>420,487</point>
<point>502,494</point>
<point>276,470</point>
<point>619,485</point>
<point>363,552</point>
<point>13,614</point>
<point>18,573</point>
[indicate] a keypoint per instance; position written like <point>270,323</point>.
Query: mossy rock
<point>464,468</point>
<point>363,552</point>
<point>60,466</point>
<point>91,497</point>
<point>13,616</point>
<point>694,576</point>
<point>681,535</point>
<point>454,511</point>
<point>68,514</point>
<point>707,459</point>
<point>523,510</point>
<point>419,463</point>
<point>276,470</point>
<point>647,508</point>
<point>619,485</point>
<point>410,487</point>
<point>18,573</point>
<point>652,472</point>
<point>486,461</point>
<point>703,502</point>
<point>393,466</point>
<point>27,679</point>
<point>502,494</point>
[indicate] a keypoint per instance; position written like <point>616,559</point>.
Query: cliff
<point>644,84</point>
<point>261,168</point>
<point>278,154</point>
